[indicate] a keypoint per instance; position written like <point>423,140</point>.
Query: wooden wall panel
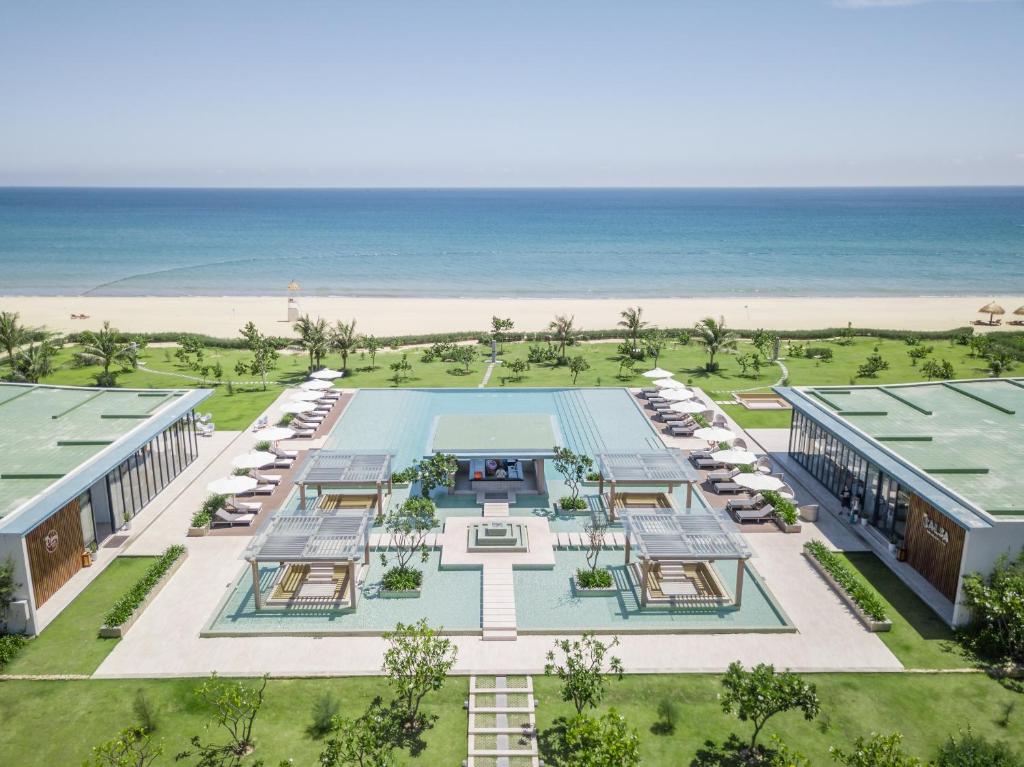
<point>935,546</point>
<point>55,551</point>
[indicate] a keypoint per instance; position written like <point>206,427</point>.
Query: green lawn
<point>57,723</point>
<point>70,644</point>
<point>918,637</point>
<point>924,707</point>
<point>236,409</point>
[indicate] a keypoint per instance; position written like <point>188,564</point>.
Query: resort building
<point>77,464</point>
<point>929,473</point>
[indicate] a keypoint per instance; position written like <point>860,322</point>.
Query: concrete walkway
<point>499,603</point>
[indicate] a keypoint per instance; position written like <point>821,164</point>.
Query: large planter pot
<point>794,528</point>
<point>116,632</point>
<point>197,532</point>
<point>869,623</point>
<point>809,513</point>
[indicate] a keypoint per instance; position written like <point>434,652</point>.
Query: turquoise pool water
<point>450,598</point>
<point>545,602</point>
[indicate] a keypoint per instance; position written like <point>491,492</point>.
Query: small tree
<point>577,365</point>
<point>518,368</point>
<point>877,751</point>
<point>627,366</point>
<point>499,328</point>
<point>918,352</point>
<point>416,661</point>
<point>12,335</point>
<point>372,345</point>
<point>132,747</point>
<point>655,342</point>
<point>408,526</point>
<point>366,741</point>
<point>1000,363</point>
<point>933,370</point>
<point>632,321</point>
<point>108,347</point>
<point>436,471</point>
<point>996,630</point>
<point>344,340</point>
<point>401,369</point>
<point>233,707</point>
<point>564,331</point>
<point>586,741</point>
<point>872,366</point>
<point>761,693</point>
<point>594,530</point>
<point>34,362</point>
<point>764,341</point>
<point>314,337</point>
<point>190,352</point>
<point>464,355</point>
<point>573,467</point>
<point>264,355</point>
<point>582,669</point>
<point>716,339</point>
<point>970,750</point>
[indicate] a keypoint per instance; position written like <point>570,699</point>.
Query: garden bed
<point>870,623</point>
<point>594,591</point>
<point>118,631</point>
<point>400,593</point>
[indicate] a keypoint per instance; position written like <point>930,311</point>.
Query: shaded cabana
<point>655,468</point>
<point>338,469</point>
<point>666,541</point>
<point>317,544</point>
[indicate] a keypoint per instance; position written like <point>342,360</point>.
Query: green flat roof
<point>523,435</point>
<point>965,435</point>
<point>48,432</point>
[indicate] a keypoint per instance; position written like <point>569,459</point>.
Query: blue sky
<point>523,93</point>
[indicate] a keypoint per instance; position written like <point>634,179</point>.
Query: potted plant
<point>86,558</point>
<point>786,516</point>
<point>200,524</point>
<point>590,581</point>
<point>408,527</point>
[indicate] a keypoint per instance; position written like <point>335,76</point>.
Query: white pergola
<point>659,536</point>
<point>339,469</point>
<point>666,468</point>
<point>341,537</point>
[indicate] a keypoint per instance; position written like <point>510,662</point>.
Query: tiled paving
<point>502,722</point>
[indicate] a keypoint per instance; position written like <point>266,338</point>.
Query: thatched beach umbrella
<point>991,309</point>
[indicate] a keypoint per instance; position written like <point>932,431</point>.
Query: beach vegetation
<point>918,352</point>
<point>108,347</point>
<point>715,338</point>
<point>583,666</point>
<point>264,355</point>
<point>314,338</point>
<point>820,353</point>
<point>400,368</point>
<point>34,361</point>
<point>872,366</point>
<point>12,335</point>
<point>344,340</point>
<point>654,343</point>
<point>1000,363</point>
<point>417,660</point>
<point>464,355</point>
<point>633,323</point>
<point>517,368</point>
<point>764,341</point>
<point>372,345</point>
<point>500,329</point>
<point>578,364</point>
<point>933,370</point>
<point>846,335</point>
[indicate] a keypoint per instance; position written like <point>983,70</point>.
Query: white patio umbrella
<point>688,406</point>
<point>305,396</point>
<point>326,374</point>
<point>669,383</point>
<point>232,485</point>
<point>316,385</point>
<point>734,457</point>
<point>298,407</point>
<point>253,459</point>
<point>758,481</point>
<point>657,373</point>
<point>677,395</point>
<point>714,434</point>
<point>276,433</point>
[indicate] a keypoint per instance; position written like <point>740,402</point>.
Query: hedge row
<point>861,594</point>
<point>483,337</point>
<point>136,595</point>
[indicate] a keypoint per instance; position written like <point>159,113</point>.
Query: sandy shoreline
<point>399,316</point>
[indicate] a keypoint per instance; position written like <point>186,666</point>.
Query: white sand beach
<point>223,316</point>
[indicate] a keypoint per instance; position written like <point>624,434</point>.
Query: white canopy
<point>658,373</point>
<point>758,481</point>
<point>275,433</point>
<point>669,383</point>
<point>306,395</point>
<point>298,407</point>
<point>326,374</point>
<point>232,485</point>
<point>714,434</point>
<point>253,459</point>
<point>734,457</point>
<point>316,385</point>
<point>688,406</point>
<point>677,395</point>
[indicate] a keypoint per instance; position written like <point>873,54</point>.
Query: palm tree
<point>562,329</point>
<point>344,340</point>
<point>715,338</point>
<point>35,361</point>
<point>633,323</point>
<point>107,347</point>
<point>313,337</point>
<point>12,335</point>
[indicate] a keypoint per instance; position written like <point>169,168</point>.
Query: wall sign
<point>51,541</point>
<point>934,529</point>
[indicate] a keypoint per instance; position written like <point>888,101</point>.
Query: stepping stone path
<point>502,722</point>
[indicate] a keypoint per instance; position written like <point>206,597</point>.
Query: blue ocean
<point>515,243</point>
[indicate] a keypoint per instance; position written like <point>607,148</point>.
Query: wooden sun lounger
<point>753,515</point>
<point>727,487</point>
<point>223,518</point>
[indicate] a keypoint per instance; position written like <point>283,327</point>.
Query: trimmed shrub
<point>10,646</point>
<point>136,595</point>
<point>572,504</point>
<point>402,579</point>
<point>863,595</point>
<point>785,509</point>
<point>996,630</point>
<point>593,579</point>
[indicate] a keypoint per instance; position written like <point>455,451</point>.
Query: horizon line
<point>159,187</point>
